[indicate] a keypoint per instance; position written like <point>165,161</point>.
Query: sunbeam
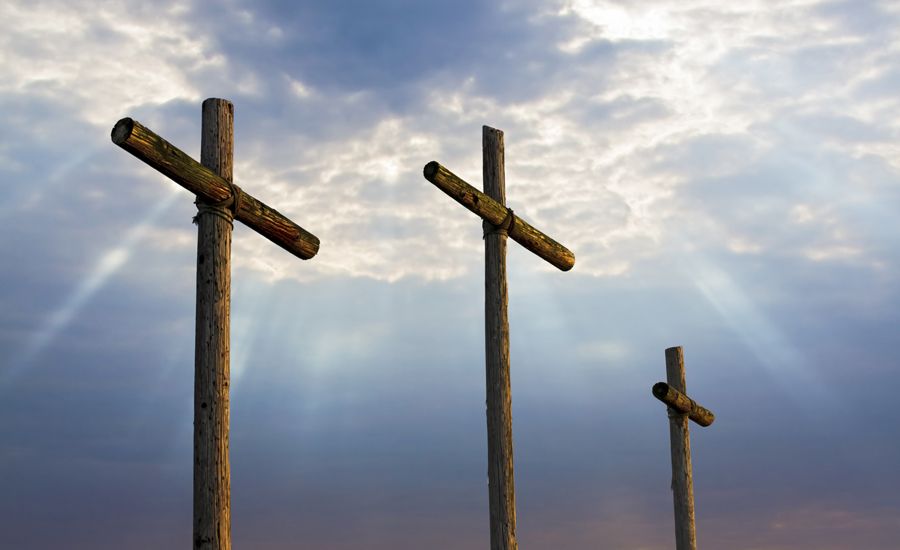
<point>37,189</point>
<point>108,264</point>
<point>252,302</point>
<point>787,366</point>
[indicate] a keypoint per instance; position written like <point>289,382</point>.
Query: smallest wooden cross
<point>681,408</point>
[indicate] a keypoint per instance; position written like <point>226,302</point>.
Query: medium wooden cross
<point>219,201</point>
<point>499,222</point>
<point>681,408</point>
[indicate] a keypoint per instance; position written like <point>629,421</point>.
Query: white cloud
<point>101,61</point>
<point>605,154</point>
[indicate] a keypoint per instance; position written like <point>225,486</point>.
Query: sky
<point>727,175</point>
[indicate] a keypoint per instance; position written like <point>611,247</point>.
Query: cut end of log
<point>211,100</point>
<point>431,169</point>
<point>122,130</point>
<point>313,247</point>
<point>660,389</point>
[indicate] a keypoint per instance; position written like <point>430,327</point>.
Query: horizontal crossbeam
<point>141,142</point>
<point>495,213</point>
<point>683,404</point>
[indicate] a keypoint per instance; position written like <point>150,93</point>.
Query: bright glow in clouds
<point>606,187</point>
<point>629,22</point>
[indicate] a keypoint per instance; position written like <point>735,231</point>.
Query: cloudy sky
<point>728,178</point>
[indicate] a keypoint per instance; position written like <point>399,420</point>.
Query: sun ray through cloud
<point>109,263</point>
<point>783,362</point>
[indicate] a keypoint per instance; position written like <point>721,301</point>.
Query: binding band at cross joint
<point>225,209</point>
<point>504,228</point>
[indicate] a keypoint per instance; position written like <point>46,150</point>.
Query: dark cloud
<point>388,46</point>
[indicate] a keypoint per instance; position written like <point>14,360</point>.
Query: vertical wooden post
<point>212,476</point>
<point>682,478</point>
<point>501,486</point>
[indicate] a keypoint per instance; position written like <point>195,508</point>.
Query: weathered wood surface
<point>495,212</point>
<point>212,477</point>
<point>161,155</point>
<point>501,480</point>
<point>682,403</point>
<point>682,476</point>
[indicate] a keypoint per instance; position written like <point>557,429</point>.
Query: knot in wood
<point>503,228</point>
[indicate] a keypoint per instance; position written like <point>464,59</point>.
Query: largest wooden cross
<point>219,201</point>
<point>499,223</point>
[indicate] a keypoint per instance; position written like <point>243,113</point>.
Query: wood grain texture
<point>161,155</point>
<point>494,212</point>
<point>501,479</point>
<point>682,476</point>
<point>212,476</point>
<point>682,403</point>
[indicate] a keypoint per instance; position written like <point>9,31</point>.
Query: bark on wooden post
<point>212,475</point>
<point>682,476</point>
<point>681,408</point>
<point>501,481</point>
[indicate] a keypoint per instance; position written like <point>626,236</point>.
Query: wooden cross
<point>219,201</point>
<point>680,409</point>
<point>499,222</point>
